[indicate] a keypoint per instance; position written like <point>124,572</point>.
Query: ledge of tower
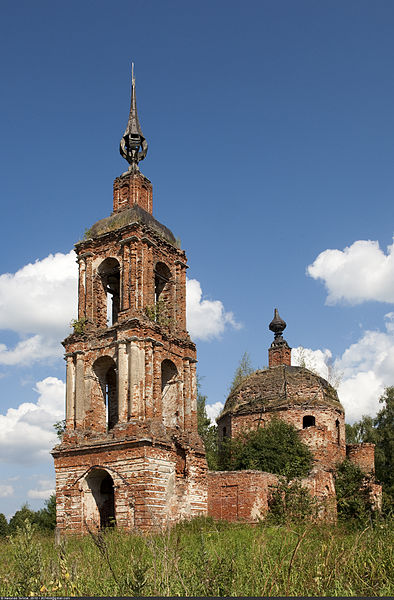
<point>128,216</point>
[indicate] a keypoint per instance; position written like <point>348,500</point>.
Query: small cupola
<point>279,352</point>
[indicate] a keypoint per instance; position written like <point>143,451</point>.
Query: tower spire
<point>279,352</point>
<point>133,145</point>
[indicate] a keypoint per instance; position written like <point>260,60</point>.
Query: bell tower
<point>130,454</point>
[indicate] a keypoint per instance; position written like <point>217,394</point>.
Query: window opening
<point>109,271</point>
<point>308,421</point>
<point>338,432</point>
<point>105,370</point>
<point>169,396</point>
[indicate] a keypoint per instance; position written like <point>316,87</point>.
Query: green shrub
<point>291,502</point>
<point>353,499</point>
<point>275,448</point>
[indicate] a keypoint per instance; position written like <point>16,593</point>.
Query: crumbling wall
<point>362,455</point>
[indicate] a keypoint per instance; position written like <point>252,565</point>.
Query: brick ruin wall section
<point>363,455</point>
<point>325,439</point>
<point>244,495</point>
<point>152,487</point>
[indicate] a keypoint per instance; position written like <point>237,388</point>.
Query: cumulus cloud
<point>45,488</point>
<point>317,361</point>
<point>361,373</point>
<point>38,302</point>
<point>26,432</point>
<point>206,319</point>
<point>213,411</point>
<point>359,273</point>
<point>6,490</point>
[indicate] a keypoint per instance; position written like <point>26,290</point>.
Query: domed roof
<point>131,215</point>
<point>281,387</point>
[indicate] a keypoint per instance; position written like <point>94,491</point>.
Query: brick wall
<point>363,455</point>
<point>326,438</point>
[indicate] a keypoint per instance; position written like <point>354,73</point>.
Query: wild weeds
<point>203,557</point>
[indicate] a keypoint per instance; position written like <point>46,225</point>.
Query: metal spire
<point>133,145</point>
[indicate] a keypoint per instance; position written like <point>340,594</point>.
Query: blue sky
<point>271,143</point>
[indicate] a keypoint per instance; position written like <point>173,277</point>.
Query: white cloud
<point>317,361</point>
<point>6,490</point>
<point>26,432</point>
<point>206,319</point>
<point>213,411</point>
<point>45,488</point>
<point>364,370</point>
<point>38,302</point>
<point>359,273</point>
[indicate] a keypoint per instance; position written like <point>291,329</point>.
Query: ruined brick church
<point>130,454</point>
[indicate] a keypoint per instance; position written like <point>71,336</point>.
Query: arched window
<point>338,431</point>
<point>308,421</point>
<point>109,272</point>
<point>105,370</point>
<point>169,393</point>
<point>162,292</point>
<point>102,509</point>
<point>224,433</point>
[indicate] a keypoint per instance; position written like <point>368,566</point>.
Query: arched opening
<point>169,395</point>
<point>105,370</point>
<point>308,421</point>
<point>109,272</point>
<point>224,433</point>
<point>100,505</point>
<point>162,292</point>
<point>338,431</point>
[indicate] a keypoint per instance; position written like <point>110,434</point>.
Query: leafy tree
<point>275,448</point>
<point>207,431</point>
<point>244,369</point>
<point>46,517</point>
<point>20,517</point>
<point>60,428</point>
<point>379,431</point>
<point>3,526</point>
<point>353,501</point>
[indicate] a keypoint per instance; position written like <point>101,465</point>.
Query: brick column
<point>81,287</point>
<point>136,380</point>
<point>157,399</point>
<point>79,390</point>
<point>186,395</point>
<point>180,295</point>
<point>149,378</point>
<point>193,394</point>
<point>279,353</point>
<point>130,189</point>
<point>122,382</point>
<point>70,392</point>
<point>89,287</point>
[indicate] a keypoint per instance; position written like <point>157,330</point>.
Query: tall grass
<point>204,558</point>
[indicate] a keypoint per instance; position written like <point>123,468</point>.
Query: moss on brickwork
<point>136,214</point>
<point>281,387</point>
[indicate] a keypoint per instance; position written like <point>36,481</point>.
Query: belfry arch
<point>169,393</point>
<point>109,273</point>
<point>104,369</point>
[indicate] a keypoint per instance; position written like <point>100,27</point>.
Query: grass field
<point>204,558</point>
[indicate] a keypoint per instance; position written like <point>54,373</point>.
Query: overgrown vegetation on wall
<point>276,448</point>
